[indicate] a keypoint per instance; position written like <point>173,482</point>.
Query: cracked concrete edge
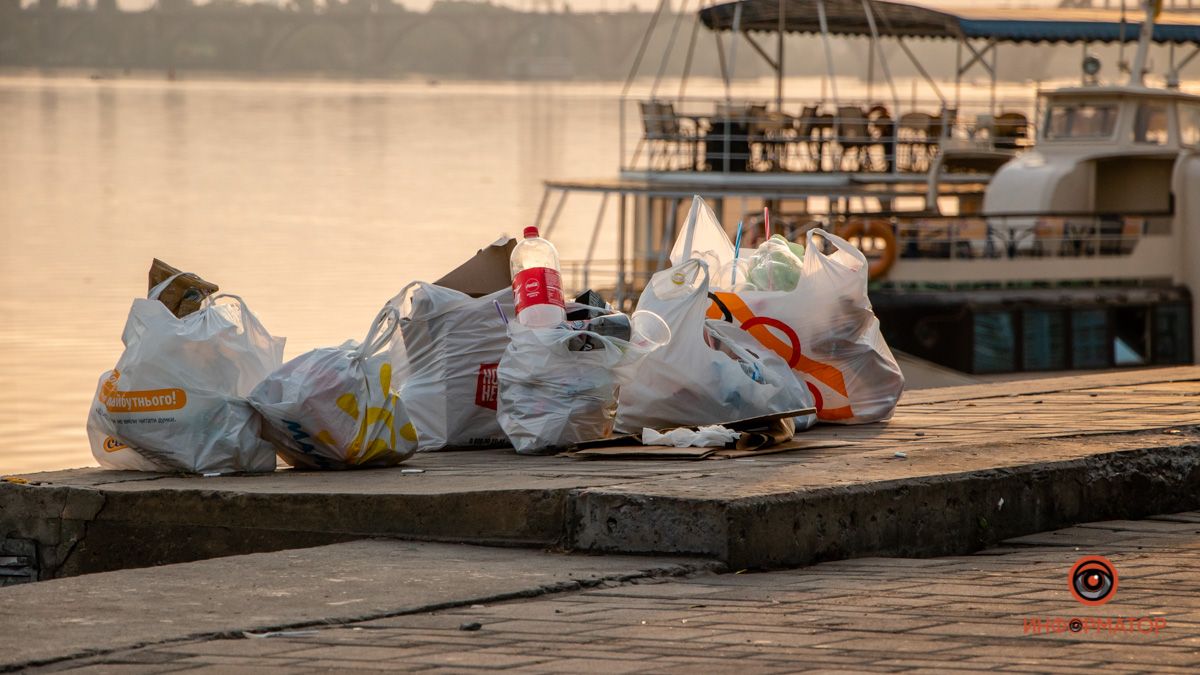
<point>912,517</point>
<point>55,518</point>
<point>661,571</point>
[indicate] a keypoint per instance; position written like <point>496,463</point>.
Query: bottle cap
<point>531,232</point>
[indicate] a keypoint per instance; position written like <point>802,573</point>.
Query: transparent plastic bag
<point>826,331</point>
<point>334,407</point>
<point>553,396</point>
<point>711,372</point>
<point>446,354</point>
<point>175,400</point>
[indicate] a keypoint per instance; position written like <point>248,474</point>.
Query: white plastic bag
<point>689,382</point>
<point>826,331</point>
<point>552,397</point>
<point>334,408</point>
<point>702,238</point>
<point>446,355</point>
<point>174,401</point>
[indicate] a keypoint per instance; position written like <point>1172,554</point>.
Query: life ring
<point>876,230</point>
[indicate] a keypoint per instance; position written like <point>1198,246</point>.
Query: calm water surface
<point>314,201</point>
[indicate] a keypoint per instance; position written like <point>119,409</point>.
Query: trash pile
<point>722,351</point>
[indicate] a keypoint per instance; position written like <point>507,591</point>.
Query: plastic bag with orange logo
<point>335,407</point>
<point>175,400</point>
<point>711,372</point>
<point>826,331</point>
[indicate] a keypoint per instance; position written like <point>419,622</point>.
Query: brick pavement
<point>952,614</point>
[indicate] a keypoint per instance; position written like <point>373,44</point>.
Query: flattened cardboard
<point>485,273</point>
<point>642,452</point>
<point>782,447</point>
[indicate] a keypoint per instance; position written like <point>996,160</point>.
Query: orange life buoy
<point>880,260</point>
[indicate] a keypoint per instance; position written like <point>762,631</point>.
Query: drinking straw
<point>767,228</point>
<point>500,312</point>
<point>737,249</point>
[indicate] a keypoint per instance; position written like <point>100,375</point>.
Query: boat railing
<point>923,238</point>
<point>802,136</point>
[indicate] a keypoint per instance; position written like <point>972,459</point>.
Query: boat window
<point>1189,124</point>
<point>1080,120</point>
<point>995,343</point>
<point>1044,344</point>
<point>1150,125</point>
<point>1089,338</point>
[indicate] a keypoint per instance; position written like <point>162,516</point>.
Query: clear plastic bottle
<point>537,284</point>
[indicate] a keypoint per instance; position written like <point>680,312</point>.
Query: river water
<point>315,201</point>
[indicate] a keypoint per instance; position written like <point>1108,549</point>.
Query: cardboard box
<point>485,273</point>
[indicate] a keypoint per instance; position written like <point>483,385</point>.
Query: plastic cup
<point>649,330</point>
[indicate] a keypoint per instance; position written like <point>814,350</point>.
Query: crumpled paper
<point>712,436</point>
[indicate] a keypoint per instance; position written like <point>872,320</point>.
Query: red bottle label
<point>487,387</point>
<point>537,286</point>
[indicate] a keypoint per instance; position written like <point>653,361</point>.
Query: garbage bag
<point>446,355</point>
<point>175,400</point>
<point>335,408</point>
<point>558,387</point>
<point>711,372</point>
<point>826,331</point>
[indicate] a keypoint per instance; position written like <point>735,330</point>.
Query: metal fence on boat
<point>708,135</point>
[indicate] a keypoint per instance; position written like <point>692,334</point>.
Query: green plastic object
<point>775,265</point>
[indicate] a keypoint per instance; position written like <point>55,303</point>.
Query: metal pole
<point>591,250</point>
<point>1136,78</point>
<point>662,65</point>
<point>554,216</point>
<point>828,50</point>
<point>637,60</point>
<point>621,255</point>
<point>779,58</point>
<point>687,62</point>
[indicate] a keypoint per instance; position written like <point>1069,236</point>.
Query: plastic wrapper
<point>559,387</point>
<point>334,407</point>
<point>711,372</point>
<point>711,436</point>
<point>175,400</point>
<point>447,354</point>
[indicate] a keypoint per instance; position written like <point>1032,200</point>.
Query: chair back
<point>1011,125</point>
<point>852,123</point>
<point>929,126</point>
<point>651,119</point>
<point>668,120</point>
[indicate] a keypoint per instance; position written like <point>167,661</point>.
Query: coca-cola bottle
<point>537,285</point>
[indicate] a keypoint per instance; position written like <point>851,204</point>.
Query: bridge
<point>361,37</point>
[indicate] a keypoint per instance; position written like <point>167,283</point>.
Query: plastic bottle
<point>537,285</point>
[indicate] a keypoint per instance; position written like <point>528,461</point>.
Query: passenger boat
<point>1062,235</point>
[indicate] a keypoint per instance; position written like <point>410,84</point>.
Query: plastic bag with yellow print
<point>336,408</point>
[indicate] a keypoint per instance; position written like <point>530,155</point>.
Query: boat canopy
<point>902,20</point>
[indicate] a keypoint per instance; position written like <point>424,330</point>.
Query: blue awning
<point>899,19</point>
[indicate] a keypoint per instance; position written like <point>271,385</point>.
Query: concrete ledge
<point>952,472</point>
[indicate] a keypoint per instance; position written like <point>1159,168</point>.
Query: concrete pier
<point>956,470</point>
